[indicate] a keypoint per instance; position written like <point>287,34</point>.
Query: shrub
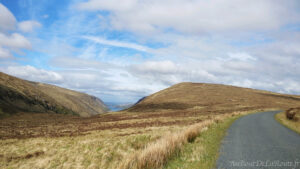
<point>290,114</point>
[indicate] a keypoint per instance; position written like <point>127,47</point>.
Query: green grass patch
<point>203,152</point>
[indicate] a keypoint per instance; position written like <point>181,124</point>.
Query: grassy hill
<point>207,98</point>
<point>17,95</point>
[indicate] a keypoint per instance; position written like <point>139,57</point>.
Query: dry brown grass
<point>98,149</point>
<point>74,142</point>
<point>28,125</point>
<point>95,142</point>
<point>156,154</point>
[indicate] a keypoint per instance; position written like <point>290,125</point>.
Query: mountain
<point>203,97</point>
<point>17,95</point>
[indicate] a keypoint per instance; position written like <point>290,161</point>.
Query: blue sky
<point>123,50</point>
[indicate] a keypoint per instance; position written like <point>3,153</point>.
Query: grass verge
<point>293,125</point>
<point>202,153</point>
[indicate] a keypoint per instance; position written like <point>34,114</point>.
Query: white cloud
<point>290,86</point>
<point>4,53</point>
<point>117,43</point>
<point>115,84</point>
<point>196,16</point>
<point>11,42</point>
<point>168,73</point>
<point>14,41</point>
<point>28,26</point>
<point>241,56</point>
<point>107,5</point>
<point>163,67</point>
<point>34,74</point>
<point>7,19</point>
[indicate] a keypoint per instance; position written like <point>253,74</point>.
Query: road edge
<point>284,122</point>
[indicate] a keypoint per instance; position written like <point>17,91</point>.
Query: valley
<point>108,140</point>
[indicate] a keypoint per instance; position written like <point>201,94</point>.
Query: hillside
<point>17,95</point>
<point>203,97</point>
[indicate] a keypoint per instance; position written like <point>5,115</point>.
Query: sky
<point>121,51</point>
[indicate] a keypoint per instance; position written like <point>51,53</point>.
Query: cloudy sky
<point>122,50</point>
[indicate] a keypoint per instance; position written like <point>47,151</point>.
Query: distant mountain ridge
<point>17,95</point>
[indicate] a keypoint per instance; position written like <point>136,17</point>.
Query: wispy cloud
<point>117,43</point>
<point>28,26</point>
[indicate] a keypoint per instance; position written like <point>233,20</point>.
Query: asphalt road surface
<point>259,141</point>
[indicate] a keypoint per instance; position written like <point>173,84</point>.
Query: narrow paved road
<point>259,141</point>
